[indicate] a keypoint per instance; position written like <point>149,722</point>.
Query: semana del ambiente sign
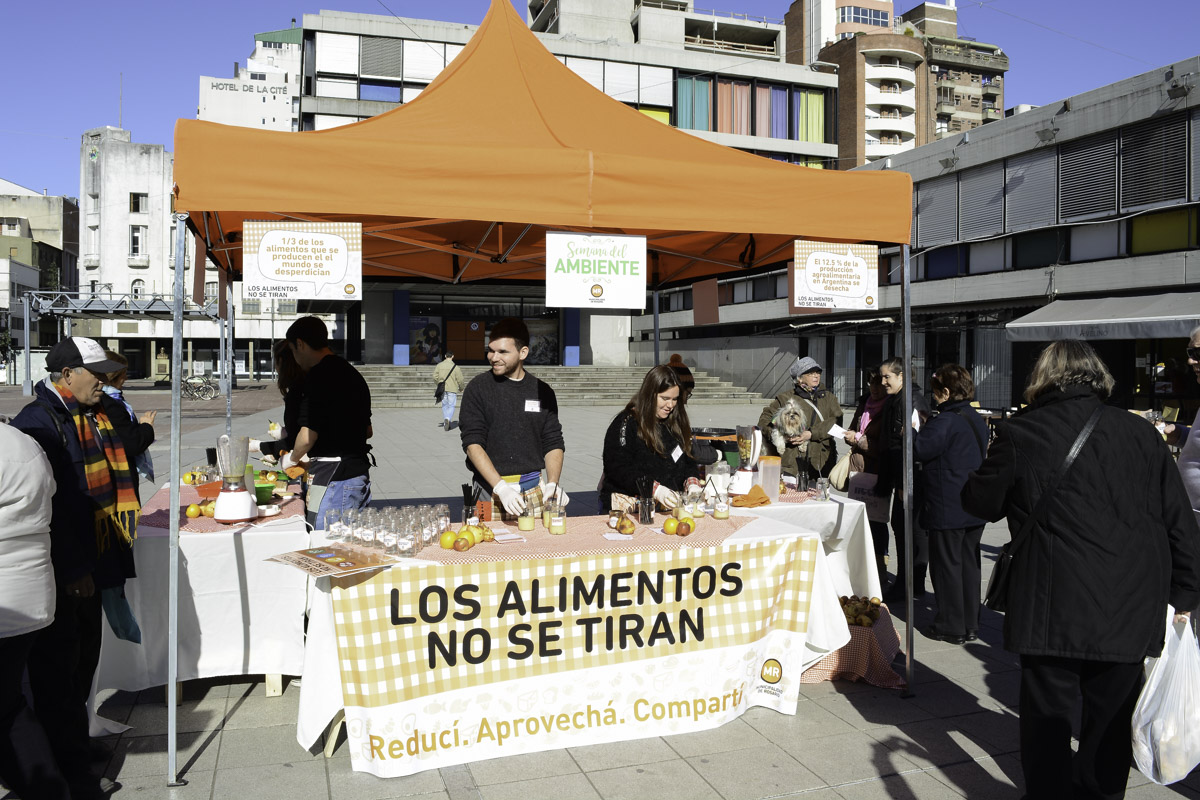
<point>301,260</point>
<point>449,664</point>
<point>827,275</point>
<point>595,271</point>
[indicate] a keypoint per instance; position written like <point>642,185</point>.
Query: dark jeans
<point>920,537</point>
<point>954,567</point>
<point>61,663</point>
<point>1050,688</point>
<point>27,764</point>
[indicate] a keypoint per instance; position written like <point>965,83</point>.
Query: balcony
<point>876,97</point>
<point>993,87</point>
<point>876,150</point>
<point>991,114</point>
<point>882,72</point>
<point>946,108</point>
<point>994,61</point>
<point>139,261</point>
<point>905,124</point>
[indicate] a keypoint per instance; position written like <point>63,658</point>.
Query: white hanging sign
<point>595,271</point>
<point>827,275</point>
<point>301,260</point>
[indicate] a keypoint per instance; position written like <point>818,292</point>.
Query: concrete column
<point>400,315</point>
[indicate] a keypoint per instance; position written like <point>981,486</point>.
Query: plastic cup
<point>769,468</point>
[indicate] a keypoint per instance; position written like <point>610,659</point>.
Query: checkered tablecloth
<point>383,662</point>
<point>585,537</point>
<point>867,657</point>
<point>156,513</point>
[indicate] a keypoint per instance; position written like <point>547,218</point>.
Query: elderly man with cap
<point>93,522</point>
<point>798,421</point>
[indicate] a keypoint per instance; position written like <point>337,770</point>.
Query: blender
<point>749,439</point>
<point>235,503</point>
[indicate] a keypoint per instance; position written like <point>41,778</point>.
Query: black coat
<point>1117,542</point>
<point>627,458</point>
<point>948,447</point>
<point>891,441</point>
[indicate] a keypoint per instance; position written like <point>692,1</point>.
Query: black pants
<point>954,567</point>
<point>1049,689</point>
<point>61,664</point>
<point>879,537</point>
<point>27,764</point>
<point>920,537</point>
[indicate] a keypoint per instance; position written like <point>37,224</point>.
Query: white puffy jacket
<point>26,577</point>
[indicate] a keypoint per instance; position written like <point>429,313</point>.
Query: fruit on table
<point>686,526</point>
<point>209,509</point>
<point>461,544</point>
<point>188,478</point>
<point>488,536</point>
<point>670,526</point>
<point>192,511</point>
<point>861,611</point>
<point>626,525</point>
<point>447,540</point>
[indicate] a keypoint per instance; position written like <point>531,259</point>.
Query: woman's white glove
<point>553,490</point>
<point>665,497</point>
<point>509,495</point>
<point>255,446</point>
<point>289,462</point>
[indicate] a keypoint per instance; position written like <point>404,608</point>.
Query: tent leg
<point>229,358</point>
<point>657,359</point>
<point>906,349</point>
<point>27,384</point>
<point>173,778</point>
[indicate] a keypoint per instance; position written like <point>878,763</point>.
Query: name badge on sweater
<point>676,453</point>
<point>533,405</point>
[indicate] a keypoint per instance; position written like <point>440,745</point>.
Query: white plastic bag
<point>1166,721</point>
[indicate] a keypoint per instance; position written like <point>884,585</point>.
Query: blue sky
<point>63,62</point>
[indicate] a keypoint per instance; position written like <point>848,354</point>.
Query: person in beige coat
<point>449,372</point>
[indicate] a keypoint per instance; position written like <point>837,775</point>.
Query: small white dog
<point>788,421</point>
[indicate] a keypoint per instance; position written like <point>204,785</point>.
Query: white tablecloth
<point>845,535</point>
<point>238,614</point>
<point>321,687</point>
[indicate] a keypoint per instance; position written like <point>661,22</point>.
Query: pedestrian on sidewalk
<point>1111,544</point>
<point>449,381</point>
<point>1185,437</point>
<point>27,764</point>
<point>137,433</point>
<point>510,429</point>
<point>949,447</point>
<point>334,424</point>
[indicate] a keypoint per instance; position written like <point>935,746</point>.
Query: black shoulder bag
<point>997,589</point>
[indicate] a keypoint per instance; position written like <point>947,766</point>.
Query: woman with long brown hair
<point>289,378</point>
<point>650,442</point>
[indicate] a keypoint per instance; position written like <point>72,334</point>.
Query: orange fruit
<point>447,540</point>
<point>670,526</point>
<point>192,511</point>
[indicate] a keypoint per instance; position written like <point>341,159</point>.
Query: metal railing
<point>676,5</point>
<point>736,47</point>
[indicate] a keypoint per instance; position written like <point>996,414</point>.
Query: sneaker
<point>446,424</point>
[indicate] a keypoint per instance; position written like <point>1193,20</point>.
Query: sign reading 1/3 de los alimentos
<point>301,260</point>
<point>595,271</point>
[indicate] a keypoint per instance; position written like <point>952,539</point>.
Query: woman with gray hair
<point>798,421</point>
<point>1103,540</point>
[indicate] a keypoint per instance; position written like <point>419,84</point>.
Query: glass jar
<point>549,507</point>
<point>526,521</point>
<point>721,505</point>
<point>558,520</point>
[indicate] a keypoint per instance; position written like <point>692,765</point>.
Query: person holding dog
<point>798,422</point>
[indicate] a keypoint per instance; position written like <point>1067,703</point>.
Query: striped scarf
<point>109,478</point>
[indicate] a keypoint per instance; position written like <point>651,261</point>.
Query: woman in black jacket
<point>289,377</point>
<point>650,441</point>
<point>891,477</point>
<point>950,446</point>
<point>1091,579</point>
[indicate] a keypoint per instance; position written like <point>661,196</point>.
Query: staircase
<point>412,387</point>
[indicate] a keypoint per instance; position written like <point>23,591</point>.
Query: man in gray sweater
<point>509,426</point>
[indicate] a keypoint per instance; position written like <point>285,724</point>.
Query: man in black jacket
<point>65,654</point>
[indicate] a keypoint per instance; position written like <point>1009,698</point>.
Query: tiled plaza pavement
<point>955,737</point>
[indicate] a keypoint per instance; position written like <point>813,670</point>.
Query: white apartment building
<point>262,94</point>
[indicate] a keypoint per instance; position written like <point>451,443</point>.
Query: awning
<point>1156,316</point>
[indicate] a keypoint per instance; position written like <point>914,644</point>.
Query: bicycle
<point>199,387</point>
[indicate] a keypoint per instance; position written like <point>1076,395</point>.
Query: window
<point>942,125</point>
<point>138,243</point>
<point>250,306</point>
<point>733,106</point>
<point>863,16</point>
<point>771,111</point>
<point>285,306</point>
<point>138,289</point>
<point>93,240</point>
<point>693,109</point>
<point>272,45</point>
<point>210,291</point>
<point>384,91</point>
<point>139,203</point>
<point>258,76</point>
<point>808,115</point>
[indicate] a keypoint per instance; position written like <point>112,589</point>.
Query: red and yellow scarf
<point>109,478</point>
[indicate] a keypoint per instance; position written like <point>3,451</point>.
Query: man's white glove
<point>289,462</point>
<point>665,497</point>
<point>255,446</point>
<point>552,489</point>
<point>509,495</point>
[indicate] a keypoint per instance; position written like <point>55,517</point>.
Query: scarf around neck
<point>106,468</point>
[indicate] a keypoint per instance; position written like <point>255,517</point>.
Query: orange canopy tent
<point>462,183</point>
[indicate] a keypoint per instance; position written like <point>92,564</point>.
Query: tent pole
<point>657,360</point>
<point>229,357</point>
<point>27,384</point>
<point>224,376</point>
<point>906,349</point>
<point>173,778</point>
